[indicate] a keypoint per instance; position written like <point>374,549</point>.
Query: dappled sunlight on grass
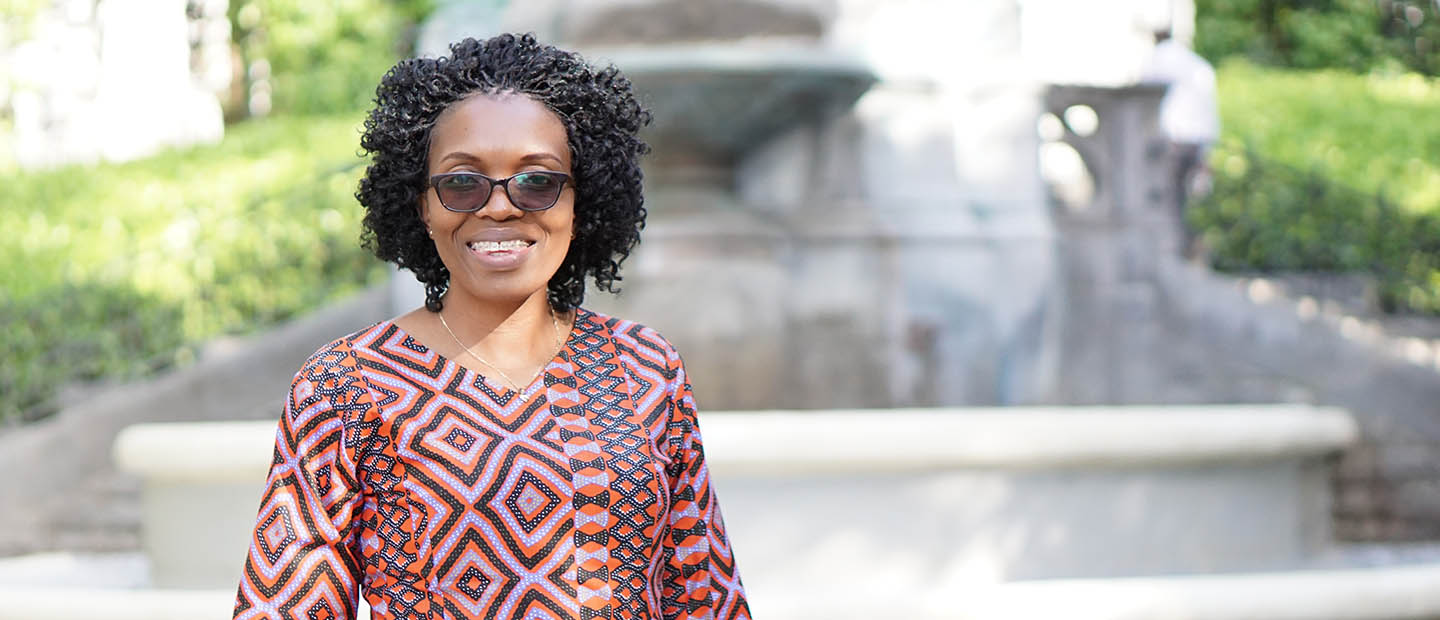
<point>1327,171</point>
<point>185,246</point>
<point>1371,133</point>
<point>148,221</point>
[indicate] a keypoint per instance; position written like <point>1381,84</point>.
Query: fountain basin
<point>1124,512</point>
<point>932,504</point>
<point>201,486</point>
<point>1108,512</point>
<point>934,497</point>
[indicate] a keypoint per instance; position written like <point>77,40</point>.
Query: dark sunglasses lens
<point>534,191</point>
<point>463,192</point>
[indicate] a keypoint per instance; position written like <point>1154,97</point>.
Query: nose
<point>498,206</point>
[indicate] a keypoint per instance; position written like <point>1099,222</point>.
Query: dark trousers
<point>1190,165</point>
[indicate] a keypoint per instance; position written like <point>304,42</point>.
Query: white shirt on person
<point>1189,112</point>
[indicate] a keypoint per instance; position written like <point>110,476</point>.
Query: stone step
<point>104,515</point>
<point>1405,591</point>
<point>1374,592</point>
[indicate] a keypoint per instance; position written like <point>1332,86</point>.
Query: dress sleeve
<point>701,582</point>
<point>303,559</point>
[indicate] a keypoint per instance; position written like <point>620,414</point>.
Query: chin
<point>501,289</point>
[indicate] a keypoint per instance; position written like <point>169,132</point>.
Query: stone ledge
<point>1388,593</point>
<point>1021,437</point>
<point>865,440</point>
<point>85,604</point>
<point>197,451</point>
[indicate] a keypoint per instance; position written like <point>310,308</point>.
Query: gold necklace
<point>515,387</point>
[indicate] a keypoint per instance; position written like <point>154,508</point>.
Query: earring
<point>430,231</point>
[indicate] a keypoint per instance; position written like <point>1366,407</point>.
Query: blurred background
<point>1023,295</point>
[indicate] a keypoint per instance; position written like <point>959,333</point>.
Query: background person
<point>1189,117</point>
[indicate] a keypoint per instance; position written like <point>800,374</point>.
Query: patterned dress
<point>443,496</point>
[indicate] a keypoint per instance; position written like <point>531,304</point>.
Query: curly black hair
<point>602,119</point>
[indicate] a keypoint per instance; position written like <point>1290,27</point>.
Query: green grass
<point>1325,171</point>
<point>1371,133</point>
<point>117,270</point>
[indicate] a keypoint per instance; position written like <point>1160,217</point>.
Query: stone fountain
<point>798,255</point>
<point>719,267</point>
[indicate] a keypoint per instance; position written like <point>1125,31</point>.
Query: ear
<point>420,210</point>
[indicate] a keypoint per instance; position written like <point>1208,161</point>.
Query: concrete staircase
<point>102,516</point>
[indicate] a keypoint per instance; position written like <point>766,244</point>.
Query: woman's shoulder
<point>625,330</point>
<point>626,333</point>
<point>338,357</point>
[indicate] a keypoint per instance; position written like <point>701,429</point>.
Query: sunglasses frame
<point>504,184</point>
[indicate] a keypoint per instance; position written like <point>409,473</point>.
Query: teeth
<point>497,246</point>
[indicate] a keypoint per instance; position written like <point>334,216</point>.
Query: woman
<point>501,452</point>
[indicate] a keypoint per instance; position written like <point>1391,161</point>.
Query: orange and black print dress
<point>439,495</point>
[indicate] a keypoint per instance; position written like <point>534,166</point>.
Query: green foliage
<point>1365,132</point>
<point>323,56</point>
<point>1328,171</point>
<point>79,332</point>
<point>1266,216</point>
<point>1356,35</point>
<point>116,270</point>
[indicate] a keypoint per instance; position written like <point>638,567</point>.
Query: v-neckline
<point>505,393</point>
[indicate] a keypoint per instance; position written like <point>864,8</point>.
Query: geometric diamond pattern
<point>473,583</point>
<point>276,534</point>
<point>532,537</point>
<point>531,501</point>
<point>460,444</point>
<point>402,474</point>
<point>459,439</point>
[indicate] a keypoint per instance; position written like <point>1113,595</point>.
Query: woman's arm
<point>303,559</point>
<point>701,581</point>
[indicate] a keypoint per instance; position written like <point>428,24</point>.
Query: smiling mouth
<point>498,247</point>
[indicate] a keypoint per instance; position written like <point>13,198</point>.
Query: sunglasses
<point>467,192</point>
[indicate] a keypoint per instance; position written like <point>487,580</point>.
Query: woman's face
<point>499,253</point>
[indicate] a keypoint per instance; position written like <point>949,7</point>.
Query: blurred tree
<point>316,57</point>
<point>1358,35</point>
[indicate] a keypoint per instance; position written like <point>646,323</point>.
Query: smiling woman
<point>410,464</point>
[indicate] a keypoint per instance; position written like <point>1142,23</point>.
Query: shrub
<point>117,270</point>
<point>1328,171</point>
<point>1365,132</point>
<point>1266,216</point>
